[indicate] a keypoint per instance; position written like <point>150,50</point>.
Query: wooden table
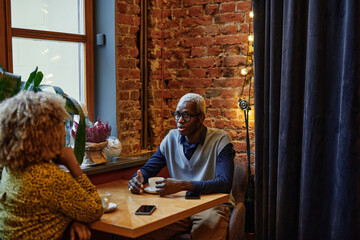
<point>169,209</point>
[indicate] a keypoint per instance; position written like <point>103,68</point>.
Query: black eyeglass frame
<point>185,115</point>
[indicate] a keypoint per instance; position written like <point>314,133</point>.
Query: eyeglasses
<point>185,115</point>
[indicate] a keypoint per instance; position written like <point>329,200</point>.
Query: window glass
<point>49,15</point>
<point>60,62</point>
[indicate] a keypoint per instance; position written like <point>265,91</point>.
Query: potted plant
<point>11,84</point>
<point>96,136</point>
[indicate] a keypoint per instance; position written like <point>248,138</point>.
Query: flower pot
<point>94,154</point>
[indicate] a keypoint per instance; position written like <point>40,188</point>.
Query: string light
<point>244,71</point>
<point>251,38</point>
<point>251,14</point>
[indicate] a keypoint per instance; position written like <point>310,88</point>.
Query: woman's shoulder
<point>44,173</point>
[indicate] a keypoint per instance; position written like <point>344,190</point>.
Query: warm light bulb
<point>251,14</point>
<point>244,71</point>
<point>251,38</point>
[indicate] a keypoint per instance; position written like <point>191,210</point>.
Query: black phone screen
<point>192,195</point>
<point>145,209</point>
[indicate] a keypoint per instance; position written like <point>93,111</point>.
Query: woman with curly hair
<point>38,200</point>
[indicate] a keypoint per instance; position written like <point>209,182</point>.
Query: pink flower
<point>99,133</point>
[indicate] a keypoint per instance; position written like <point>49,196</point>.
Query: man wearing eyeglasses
<point>200,160</point>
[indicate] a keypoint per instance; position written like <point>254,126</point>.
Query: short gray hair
<point>196,98</point>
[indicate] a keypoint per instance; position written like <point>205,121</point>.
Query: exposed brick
<point>122,29</point>
<point>227,103</point>
<point>230,114</point>
<point>229,29</point>
<point>212,93</point>
<point>239,146</point>
<point>155,13</point>
<point>243,6</point>
<point>195,11</point>
<point>196,2</point>
<point>203,83</point>
<point>229,93</point>
<point>229,17</point>
<point>214,50</point>
<point>123,95</point>
<point>197,52</point>
<point>227,7</point>
<point>195,32</point>
<point>234,61</point>
<point>127,63</point>
<point>121,51</point>
<point>212,30</point>
<point>201,41</point>
<point>134,52</point>
<point>134,9</point>
<point>121,7</point>
<point>212,9</point>
<point>200,62</point>
<point>172,24</point>
<point>134,30</point>
<point>124,19</point>
<point>134,95</point>
<point>179,13</point>
<point>198,73</point>
<point>231,39</point>
<point>214,72</point>
<point>227,82</point>
<point>191,22</point>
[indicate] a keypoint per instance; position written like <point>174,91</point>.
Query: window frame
<point>7,33</point>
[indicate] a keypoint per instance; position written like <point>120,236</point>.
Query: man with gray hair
<point>199,160</point>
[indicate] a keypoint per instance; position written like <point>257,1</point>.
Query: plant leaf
<point>30,82</point>
<point>9,85</point>
<point>2,69</point>
<point>38,78</point>
<point>58,90</point>
<point>80,138</point>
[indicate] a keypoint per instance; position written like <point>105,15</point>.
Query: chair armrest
<point>236,229</point>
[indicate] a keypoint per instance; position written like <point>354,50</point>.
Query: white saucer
<point>149,190</point>
<point>112,207</point>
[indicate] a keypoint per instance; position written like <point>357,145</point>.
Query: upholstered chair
<point>236,229</point>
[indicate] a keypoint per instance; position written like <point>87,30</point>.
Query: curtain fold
<point>307,91</point>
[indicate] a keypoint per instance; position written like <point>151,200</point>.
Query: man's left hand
<point>172,185</point>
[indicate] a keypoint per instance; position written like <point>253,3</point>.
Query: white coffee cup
<point>152,182</point>
<point>105,199</point>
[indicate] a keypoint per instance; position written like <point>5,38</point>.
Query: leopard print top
<point>41,201</point>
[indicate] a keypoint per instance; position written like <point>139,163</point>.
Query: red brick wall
<point>205,46</point>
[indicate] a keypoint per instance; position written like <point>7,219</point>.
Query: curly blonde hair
<point>31,128</point>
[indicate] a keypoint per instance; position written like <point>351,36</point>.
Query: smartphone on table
<point>145,209</point>
<point>192,195</point>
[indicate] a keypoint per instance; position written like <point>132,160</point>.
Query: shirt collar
<point>201,139</point>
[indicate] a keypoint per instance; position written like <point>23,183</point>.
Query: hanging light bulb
<point>244,71</point>
<point>251,38</point>
<point>251,14</point>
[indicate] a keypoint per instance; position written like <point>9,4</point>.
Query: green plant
<point>11,84</point>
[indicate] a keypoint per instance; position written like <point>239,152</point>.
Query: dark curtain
<point>307,91</point>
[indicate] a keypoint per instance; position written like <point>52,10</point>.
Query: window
<point>56,36</point>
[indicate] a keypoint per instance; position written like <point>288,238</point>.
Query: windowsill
<point>121,162</point>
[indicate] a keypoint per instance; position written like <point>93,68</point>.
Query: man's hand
<point>172,185</point>
<point>83,232</point>
<point>136,183</point>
